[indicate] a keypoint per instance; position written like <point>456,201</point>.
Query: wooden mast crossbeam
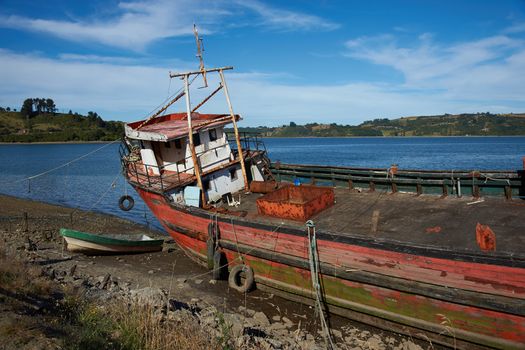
<point>175,75</point>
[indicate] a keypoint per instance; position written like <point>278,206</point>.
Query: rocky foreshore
<point>172,286</point>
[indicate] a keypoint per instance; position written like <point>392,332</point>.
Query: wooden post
<point>508,192</point>
<point>190,138</point>
<point>375,221</point>
<point>26,224</point>
<point>237,138</point>
<point>394,187</point>
<point>419,189</point>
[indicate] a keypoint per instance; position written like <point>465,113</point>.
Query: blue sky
<point>301,61</point>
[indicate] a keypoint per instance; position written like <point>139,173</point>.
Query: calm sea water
<point>95,183</point>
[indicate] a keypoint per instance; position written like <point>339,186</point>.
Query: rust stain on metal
<point>263,186</point>
<point>485,237</point>
<point>496,285</point>
<point>371,261</point>
<point>435,229</point>
<point>296,202</point>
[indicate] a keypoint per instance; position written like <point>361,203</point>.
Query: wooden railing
<point>458,183</point>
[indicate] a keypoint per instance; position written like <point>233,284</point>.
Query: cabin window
<point>206,185</point>
<point>178,144</point>
<point>233,174</point>
<point>167,145</point>
<point>196,139</point>
<point>213,134</point>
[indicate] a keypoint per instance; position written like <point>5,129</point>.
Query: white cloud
<point>515,28</point>
<point>140,23</point>
<point>486,69</point>
<point>129,91</point>
<point>286,20</point>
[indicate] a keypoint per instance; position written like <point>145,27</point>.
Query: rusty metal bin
<point>296,202</point>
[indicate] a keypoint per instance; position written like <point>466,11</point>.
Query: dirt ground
<point>171,271</point>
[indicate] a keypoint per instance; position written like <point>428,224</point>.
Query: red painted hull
<point>457,300</point>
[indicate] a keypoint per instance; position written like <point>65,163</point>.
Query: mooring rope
<point>232,261</point>
<point>313,259</point>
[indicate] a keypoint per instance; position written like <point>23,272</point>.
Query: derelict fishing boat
<point>89,243</point>
<point>437,255</point>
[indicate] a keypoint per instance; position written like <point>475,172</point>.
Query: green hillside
<point>482,124</point>
<point>56,127</point>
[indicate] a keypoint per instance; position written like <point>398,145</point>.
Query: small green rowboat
<point>89,243</point>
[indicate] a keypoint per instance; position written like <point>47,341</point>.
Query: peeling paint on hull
<point>468,301</point>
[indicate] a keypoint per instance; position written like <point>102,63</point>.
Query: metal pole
<point>237,139</point>
<point>190,138</point>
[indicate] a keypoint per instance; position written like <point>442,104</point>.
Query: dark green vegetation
<point>38,121</point>
<point>482,124</point>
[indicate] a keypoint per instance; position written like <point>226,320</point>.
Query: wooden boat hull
<point>81,242</point>
<point>449,297</point>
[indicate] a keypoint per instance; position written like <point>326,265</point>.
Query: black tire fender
<point>126,199</point>
<point>235,281</point>
<point>218,265</point>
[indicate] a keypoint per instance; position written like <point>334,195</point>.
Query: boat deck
<point>448,222</point>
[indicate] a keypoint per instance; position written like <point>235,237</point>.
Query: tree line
<point>35,106</point>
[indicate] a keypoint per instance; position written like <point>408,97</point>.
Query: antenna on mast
<point>198,41</point>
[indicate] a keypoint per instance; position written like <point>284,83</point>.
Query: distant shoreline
<point>381,137</point>
<point>55,142</point>
<point>271,137</point>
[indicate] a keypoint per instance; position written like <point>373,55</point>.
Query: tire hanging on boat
<point>235,281</point>
<point>130,203</point>
<point>210,252</point>
<point>218,265</point>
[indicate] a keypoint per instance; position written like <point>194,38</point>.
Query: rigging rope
<point>165,104</point>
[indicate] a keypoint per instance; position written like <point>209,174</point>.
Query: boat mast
<point>198,42</point>
<point>196,165</point>
<point>237,138</point>
<point>202,70</point>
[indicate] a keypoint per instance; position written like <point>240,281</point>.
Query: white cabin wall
<point>221,183</point>
<point>210,153</point>
<point>148,158</point>
<point>172,156</point>
<point>256,173</point>
<point>215,153</point>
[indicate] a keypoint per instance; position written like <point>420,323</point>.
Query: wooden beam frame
<point>237,138</point>
<point>196,164</point>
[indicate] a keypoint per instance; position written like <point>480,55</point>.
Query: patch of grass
<point>225,335</point>
<point>21,278</point>
<point>75,322</point>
